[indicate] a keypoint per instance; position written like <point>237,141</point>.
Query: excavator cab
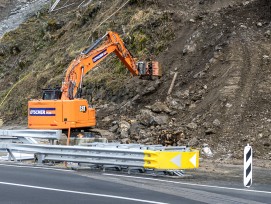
<point>142,67</point>
<point>51,94</point>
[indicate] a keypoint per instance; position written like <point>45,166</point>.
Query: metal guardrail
<point>11,139</point>
<point>158,158</point>
<point>137,146</point>
<point>42,134</point>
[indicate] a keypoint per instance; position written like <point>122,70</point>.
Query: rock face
<point>16,12</point>
<point>220,50</point>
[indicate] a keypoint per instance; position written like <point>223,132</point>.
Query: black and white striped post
<point>248,166</point>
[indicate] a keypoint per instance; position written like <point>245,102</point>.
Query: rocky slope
<point>14,12</point>
<point>220,51</point>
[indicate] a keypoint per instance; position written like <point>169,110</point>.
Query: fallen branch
<point>64,7</point>
<point>54,6</point>
<point>172,83</point>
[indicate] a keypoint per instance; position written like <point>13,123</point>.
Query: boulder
<point>267,34</point>
<point>149,90</point>
<point>125,141</point>
<point>135,128</point>
<point>216,122</point>
<point>193,142</point>
<point>144,141</point>
<point>192,126</point>
<point>206,150</point>
<point>114,128</point>
<point>189,49</point>
<point>124,129</point>
<point>106,119</point>
<point>146,117</point>
<point>142,134</point>
<point>259,24</point>
<point>104,133</point>
<point>161,119</point>
<point>209,131</point>
<point>159,107</point>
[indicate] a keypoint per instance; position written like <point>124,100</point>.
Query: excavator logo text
<point>42,111</point>
<point>99,56</point>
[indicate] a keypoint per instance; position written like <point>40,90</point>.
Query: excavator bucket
<point>156,69</point>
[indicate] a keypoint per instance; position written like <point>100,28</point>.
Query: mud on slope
<point>221,54</point>
<point>221,72</point>
<point>220,50</point>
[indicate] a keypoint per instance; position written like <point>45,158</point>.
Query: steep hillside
<point>5,8</point>
<point>220,51</point>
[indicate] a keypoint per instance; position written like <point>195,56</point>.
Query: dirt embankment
<point>220,51</point>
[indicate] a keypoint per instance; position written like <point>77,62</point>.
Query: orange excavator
<point>64,108</point>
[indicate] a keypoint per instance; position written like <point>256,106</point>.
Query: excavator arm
<point>89,58</point>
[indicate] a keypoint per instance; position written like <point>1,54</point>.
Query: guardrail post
<point>40,158</point>
<point>69,136</point>
<point>10,155</point>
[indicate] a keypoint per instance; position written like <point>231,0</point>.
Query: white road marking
<point>189,184</point>
<point>82,193</point>
<point>36,167</point>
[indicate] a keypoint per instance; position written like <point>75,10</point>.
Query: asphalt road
<point>41,185</point>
